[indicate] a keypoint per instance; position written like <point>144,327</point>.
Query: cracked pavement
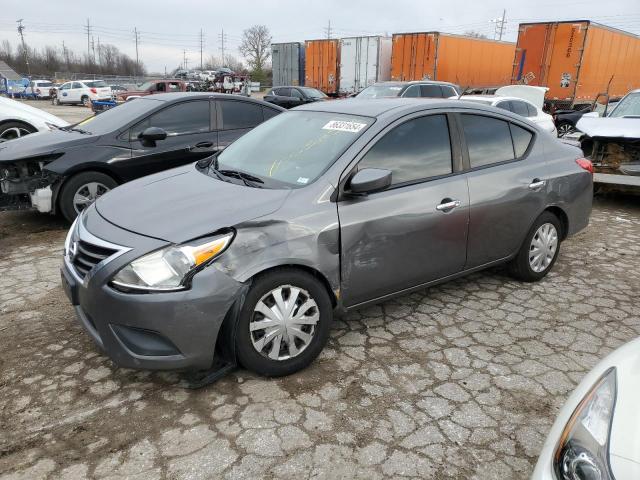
<point>462,380</point>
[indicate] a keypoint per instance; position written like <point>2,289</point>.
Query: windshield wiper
<point>248,179</point>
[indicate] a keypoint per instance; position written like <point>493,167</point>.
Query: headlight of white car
<point>583,450</point>
<point>172,267</point>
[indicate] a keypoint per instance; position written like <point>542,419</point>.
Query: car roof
<point>415,82</point>
<point>493,98</point>
<point>176,96</point>
<point>378,106</point>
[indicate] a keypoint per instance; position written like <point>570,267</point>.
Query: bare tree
<point>473,33</point>
<point>255,46</point>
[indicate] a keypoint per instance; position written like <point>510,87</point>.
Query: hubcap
<point>283,322</point>
<point>87,194</point>
<point>13,133</point>
<point>564,129</point>
<point>543,247</point>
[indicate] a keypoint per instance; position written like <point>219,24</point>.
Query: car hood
<point>182,204</point>
<point>42,143</point>
<point>12,109</point>
<point>618,127</point>
<point>529,93</point>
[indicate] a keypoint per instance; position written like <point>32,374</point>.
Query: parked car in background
<point>68,169</point>
<point>520,99</point>
<point>595,435</point>
<point>292,96</point>
<point>330,206</point>
<point>153,87</point>
<point>612,143</point>
<point>117,90</point>
<point>82,92</point>
<point>40,89</point>
<point>567,119</point>
<point>420,88</point>
<point>18,119</point>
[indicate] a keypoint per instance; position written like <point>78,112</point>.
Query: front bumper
<point>158,331</point>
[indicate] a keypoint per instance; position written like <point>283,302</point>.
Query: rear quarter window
<point>521,140</point>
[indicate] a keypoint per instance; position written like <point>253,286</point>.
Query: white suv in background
<point>83,92</point>
<point>39,88</point>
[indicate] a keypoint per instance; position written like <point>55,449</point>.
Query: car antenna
<point>462,91</point>
<point>604,114</point>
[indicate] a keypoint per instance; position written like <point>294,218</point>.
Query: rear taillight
<point>586,164</point>
<point>93,90</point>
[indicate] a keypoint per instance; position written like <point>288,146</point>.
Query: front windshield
<point>629,106</point>
<point>146,85</point>
<point>313,93</point>
<point>292,149</point>
<point>379,91</point>
<point>117,117</point>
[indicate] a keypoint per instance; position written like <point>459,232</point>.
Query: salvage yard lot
<point>461,380</point>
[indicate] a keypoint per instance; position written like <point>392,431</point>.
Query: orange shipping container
<point>322,65</point>
<point>576,60</point>
<point>467,61</point>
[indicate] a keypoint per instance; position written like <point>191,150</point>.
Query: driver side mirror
<point>149,136</point>
<point>369,180</point>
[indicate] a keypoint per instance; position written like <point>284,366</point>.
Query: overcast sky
<point>168,26</point>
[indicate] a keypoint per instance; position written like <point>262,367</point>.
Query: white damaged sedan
<point>597,433</point>
<point>18,119</point>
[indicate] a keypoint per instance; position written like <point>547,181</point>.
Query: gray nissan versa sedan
<point>325,208</point>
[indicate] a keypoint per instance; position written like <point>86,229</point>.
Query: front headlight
<point>583,450</point>
<point>172,267</point>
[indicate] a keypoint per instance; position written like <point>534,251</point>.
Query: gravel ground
<point>457,381</point>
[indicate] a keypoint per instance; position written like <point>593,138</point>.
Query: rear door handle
<point>447,205</point>
<point>537,184</point>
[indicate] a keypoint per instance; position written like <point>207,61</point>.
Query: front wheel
<point>82,190</point>
<point>284,323</point>
<point>13,130</point>
<point>539,250</point>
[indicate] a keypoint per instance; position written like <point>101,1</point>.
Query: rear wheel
<point>284,323</point>
<point>86,101</point>
<point>13,130</point>
<point>564,128</point>
<point>82,190</point>
<point>539,250</point>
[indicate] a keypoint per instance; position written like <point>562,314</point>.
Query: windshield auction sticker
<point>344,126</point>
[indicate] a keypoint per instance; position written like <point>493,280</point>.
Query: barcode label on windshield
<point>343,126</point>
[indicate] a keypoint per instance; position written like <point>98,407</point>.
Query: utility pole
<point>500,27</point>
<point>222,38</point>
<point>137,38</point>
<point>201,47</point>
<point>88,27</point>
<point>93,48</point>
<point>99,54</point>
<point>24,48</point>
<point>328,29</point>
<point>185,61</point>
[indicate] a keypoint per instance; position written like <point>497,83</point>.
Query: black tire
<point>12,130</point>
<point>253,360</point>
<point>520,267</point>
<point>85,101</point>
<point>71,186</point>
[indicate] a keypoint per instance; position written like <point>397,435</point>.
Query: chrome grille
<point>87,256</point>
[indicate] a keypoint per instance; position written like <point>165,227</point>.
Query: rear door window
<point>521,139</point>
<point>430,91</point>
<point>488,140</point>
<point>415,150</point>
<point>76,85</point>
<point>283,92</point>
<point>237,114</point>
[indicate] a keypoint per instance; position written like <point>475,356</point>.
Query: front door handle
<point>537,184</point>
<point>447,205</point>
<point>204,145</point>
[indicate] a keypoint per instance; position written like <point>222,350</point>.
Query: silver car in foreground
<point>325,208</point>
